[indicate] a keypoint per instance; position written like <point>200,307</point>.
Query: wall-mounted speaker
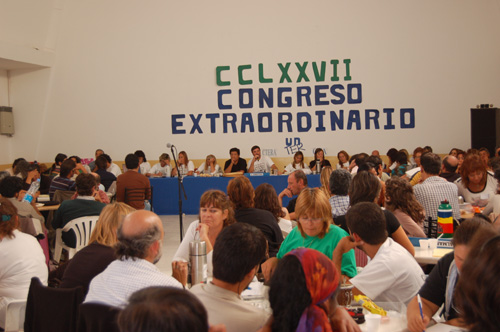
<point>6,121</point>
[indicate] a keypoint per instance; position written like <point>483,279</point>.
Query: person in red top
<point>137,185</point>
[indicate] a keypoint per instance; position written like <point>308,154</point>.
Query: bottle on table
<point>35,185</point>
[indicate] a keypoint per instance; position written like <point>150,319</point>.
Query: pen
<point>420,306</point>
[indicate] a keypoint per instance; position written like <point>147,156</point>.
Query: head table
<point>166,197</point>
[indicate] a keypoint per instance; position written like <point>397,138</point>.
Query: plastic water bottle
<point>445,220</point>
<point>32,191</point>
<point>209,169</point>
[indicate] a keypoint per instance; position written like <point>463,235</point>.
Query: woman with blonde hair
<point>315,230</point>
<point>209,166</point>
<point>298,163</point>
<point>186,166</point>
<point>324,178</point>
<point>94,258</point>
<point>401,201</point>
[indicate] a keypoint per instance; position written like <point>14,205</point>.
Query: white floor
<point>171,240</point>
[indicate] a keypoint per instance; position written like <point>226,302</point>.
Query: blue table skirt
<point>166,192</point>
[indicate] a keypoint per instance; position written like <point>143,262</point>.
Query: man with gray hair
<point>339,183</point>
<point>138,249</point>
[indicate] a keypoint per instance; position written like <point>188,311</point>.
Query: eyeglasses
<point>310,220</point>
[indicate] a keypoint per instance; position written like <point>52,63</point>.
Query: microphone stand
<point>181,187</point>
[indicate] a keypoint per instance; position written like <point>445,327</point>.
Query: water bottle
<point>445,220</point>
<point>35,185</point>
<point>209,169</point>
<point>198,262</point>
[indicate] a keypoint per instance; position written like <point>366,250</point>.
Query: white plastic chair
<point>14,315</point>
<point>82,227</point>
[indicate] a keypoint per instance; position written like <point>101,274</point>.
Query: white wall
<point>123,67</point>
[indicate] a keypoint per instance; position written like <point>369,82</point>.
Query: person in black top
<point>319,155</point>
<point>241,194</point>
<point>107,178</point>
<point>439,287</point>
<point>235,164</point>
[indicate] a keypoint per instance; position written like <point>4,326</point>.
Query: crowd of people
<point>354,228</point>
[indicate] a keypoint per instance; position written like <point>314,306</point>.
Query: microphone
<point>170,145</point>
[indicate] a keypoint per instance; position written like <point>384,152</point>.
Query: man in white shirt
<point>138,249</point>
<point>260,163</point>
<point>392,275</point>
<point>161,169</point>
<point>237,254</point>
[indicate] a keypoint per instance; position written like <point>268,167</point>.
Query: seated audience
<point>138,249</point>
<point>235,164</point>
<point>356,161</point>
<point>297,181</point>
<point>132,180</point>
<point>303,295</point>
<point>340,180</point>
<point>185,166</point>
<point>484,154</point>
<point>324,179</point>
<point>56,166</point>
<point>400,200</point>
<point>493,208</point>
<point>80,168</point>
<point>453,152</point>
<point>365,187</point>
<point>107,178</point>
<point>434,189</point>
<point>449,169</point>
<point>144,165</point>
<point>392,274</point>
<point>111,167</point>
<point>21,258</point>
<point>401,164</point>
<point>319,156</point>
<point>164,309</point>
<point>392,155</point>
<point>241,194</point>
<point>372,168</point>
<point>237,254</point>
<point>92,164</point>
<point>477,186</point>
<point>216,212</point>
<point>210,166</point>
<point>315,231</point>
<point>343,160</point>
<point>379,167</point>
<point>63,181</point>
<point>461,158</point>
<point>478,294</point>
<point>94,258</point>
<point>267,199</point>
<point>11,170</point>
<point>84,205</point>
<point>10,188</point>
<point>439,288</point>
<point>161,169</point>
<point>298,163</point>
<point>260,163</point>
<point>414,164</point>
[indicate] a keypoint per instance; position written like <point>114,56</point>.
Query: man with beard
<point>138,250</point>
